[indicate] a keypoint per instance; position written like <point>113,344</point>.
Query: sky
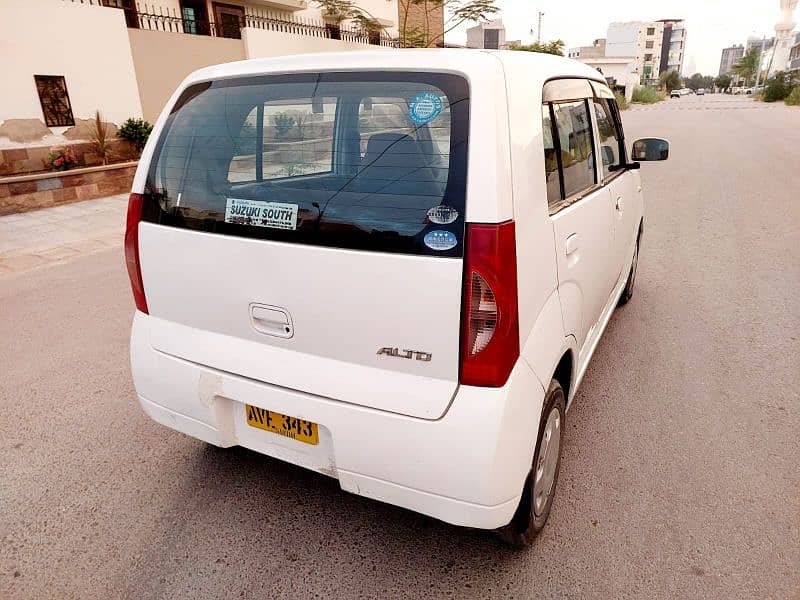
<point>711,24</point>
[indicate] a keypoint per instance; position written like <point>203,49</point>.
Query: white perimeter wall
<point>88,45</point>
<point>260,43</point>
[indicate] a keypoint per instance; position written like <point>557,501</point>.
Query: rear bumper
<point>466,468</point>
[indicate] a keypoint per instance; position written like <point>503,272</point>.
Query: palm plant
<point>98,132</point>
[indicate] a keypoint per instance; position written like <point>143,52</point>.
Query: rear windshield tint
<point>373,161</point>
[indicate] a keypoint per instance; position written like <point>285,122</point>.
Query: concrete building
<point>71,57</point>
<point>765,47</point>
<point>673,46</point>
<point>794,55</point>
<point>596,50</point>
<point>640,40</point>
<point>730,56</point>
<point>490,35</point>
<point>784,37</point>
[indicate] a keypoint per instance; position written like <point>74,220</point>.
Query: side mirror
<point>650,149</point>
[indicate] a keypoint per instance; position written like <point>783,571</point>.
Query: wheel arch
<point>564,373</point>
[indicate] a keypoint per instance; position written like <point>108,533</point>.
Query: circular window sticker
<point>442,214</point>
<point>440,240</point>
<point>424,108</point>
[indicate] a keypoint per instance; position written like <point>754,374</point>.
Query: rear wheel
<point>540,485</point>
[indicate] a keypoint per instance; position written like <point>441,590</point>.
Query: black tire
<point>527,523</point>
<point>627,293</point>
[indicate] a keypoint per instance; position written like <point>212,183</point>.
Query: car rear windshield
<point>372,161</point>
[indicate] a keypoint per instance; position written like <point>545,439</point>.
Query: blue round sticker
<point>440,240</point>
<point>424,108</point>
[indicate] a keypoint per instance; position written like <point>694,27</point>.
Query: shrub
<point>778,87</point>
<point>136,131</point>
<point>621,102</point>
<point>283,123</point>
<point>793,99</point>
<point>646,95</point>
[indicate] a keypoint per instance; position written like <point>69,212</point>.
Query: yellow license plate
<point>291,427</point>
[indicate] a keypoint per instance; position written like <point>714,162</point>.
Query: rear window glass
<point>373,161</point>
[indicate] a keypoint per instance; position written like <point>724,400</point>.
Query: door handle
<point>571,244</point>
<point>619,204</point>
<point>271,320</point>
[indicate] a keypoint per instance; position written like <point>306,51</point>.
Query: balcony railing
<point>157,18</point>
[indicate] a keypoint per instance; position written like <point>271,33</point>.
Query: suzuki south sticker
<point>440,240</point>
<point>424,108</point>
<point>442,214</point>
<point>261,214</point>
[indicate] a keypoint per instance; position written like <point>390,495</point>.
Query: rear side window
<point>610,145</point>
<point>372,161</point>
<point>550,159</point>
<point>573,130</point>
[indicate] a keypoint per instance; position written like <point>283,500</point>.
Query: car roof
<point>472,63</point>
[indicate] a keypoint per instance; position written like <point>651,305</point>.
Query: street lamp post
<point>539,29</point>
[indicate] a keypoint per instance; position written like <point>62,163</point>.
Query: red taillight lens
<point>490,320</point>
<point>132,250</point>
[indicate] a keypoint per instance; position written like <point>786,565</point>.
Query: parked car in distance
<point>392,275</point>
<point>700,92</point>
<point>675,94</point>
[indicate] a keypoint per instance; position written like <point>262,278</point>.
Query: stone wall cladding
<point>417,18</point>
<point>21,161</point>
<point>23,196</point>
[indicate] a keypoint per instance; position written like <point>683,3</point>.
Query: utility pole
<point>539,29</point>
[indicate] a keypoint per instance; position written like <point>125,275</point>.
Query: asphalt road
<point>680,474</point>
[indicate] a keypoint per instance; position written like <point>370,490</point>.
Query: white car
<point>389,273</point>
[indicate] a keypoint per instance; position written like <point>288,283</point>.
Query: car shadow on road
<point>236,511</point>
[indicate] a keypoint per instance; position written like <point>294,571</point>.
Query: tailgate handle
<point>271,320</point>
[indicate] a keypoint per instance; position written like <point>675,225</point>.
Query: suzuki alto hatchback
<point>389,273</point>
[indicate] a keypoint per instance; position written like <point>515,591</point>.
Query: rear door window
<point>574,137</point>
<point>610,144</point>
<point>373,161</point>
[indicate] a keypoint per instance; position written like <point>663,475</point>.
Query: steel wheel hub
<point>545,468</point>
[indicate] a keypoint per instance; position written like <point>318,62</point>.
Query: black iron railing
<point>157,18</point>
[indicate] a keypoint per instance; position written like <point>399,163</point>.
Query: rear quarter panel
<point>541,332</point>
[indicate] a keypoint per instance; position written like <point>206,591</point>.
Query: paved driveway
<point>44,237</point>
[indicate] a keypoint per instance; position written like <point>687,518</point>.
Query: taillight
<point>132,250</point>
<point>490,320</point>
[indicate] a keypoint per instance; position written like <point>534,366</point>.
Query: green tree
<point>555,47</point>
<point>748,65</point>
<point>708,82</point>
<point>337,11</point>
<point>695,82</point>
<point>671,80</point>
<point>723,82</point>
